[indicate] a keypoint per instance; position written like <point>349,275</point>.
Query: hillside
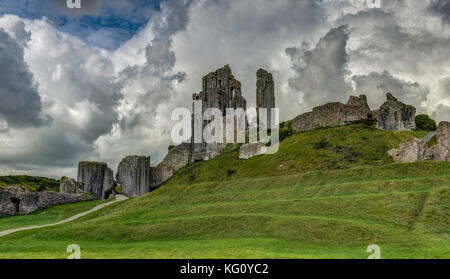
<point>320,149</point>
<point>33,183</point>
<point>327,201</point>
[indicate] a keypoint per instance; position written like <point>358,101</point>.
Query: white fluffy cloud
<point>107,104</point>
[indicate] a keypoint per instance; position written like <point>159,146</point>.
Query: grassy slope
<point>47,216</point>
<point>33,183</point>
<point>321,149</point>
<point>315,214</point>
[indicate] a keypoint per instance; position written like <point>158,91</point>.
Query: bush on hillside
<point>425,123</point>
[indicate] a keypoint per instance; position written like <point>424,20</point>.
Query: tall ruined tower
<point>265,95</point>
<point>219,90</point>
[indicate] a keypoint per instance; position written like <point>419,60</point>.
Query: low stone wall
<point>334,114</point>
<point>16,200</point>
<point>391,116</point>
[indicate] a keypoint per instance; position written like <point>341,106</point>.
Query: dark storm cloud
<point>441,8</point>
<point>377,84</point>
<point>321,71</point>
<point>20,103</point>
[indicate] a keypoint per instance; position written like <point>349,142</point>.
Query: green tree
<point>425,123</point>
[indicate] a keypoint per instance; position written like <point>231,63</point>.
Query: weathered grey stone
<point>134,175</point>
<point>70,186</point>
<point>265,94</point>
<point>222,91</point>
<point>416,150</point>
<point>19,200</point>
<point>396,116</point>
<point>249,150</point>
<point>411,151</point>
<point>441,150</point>
<point>178,157</point>
<point>96,177</point>
<point>334,114</point>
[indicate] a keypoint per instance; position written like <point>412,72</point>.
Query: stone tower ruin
<point>265,93</point>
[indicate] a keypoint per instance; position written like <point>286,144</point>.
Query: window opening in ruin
<point>16,203</point>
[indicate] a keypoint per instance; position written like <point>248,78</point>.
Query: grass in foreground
<point>322,214</point>
<point>327,193</point>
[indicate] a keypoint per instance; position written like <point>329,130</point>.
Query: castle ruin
<point>221,90</point>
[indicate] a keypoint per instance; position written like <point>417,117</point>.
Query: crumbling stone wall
<point>19,200</point>
<point>133,174</point>
<point>334,114</point>
<point>70,186</point>
<point>416,150</point>
<point>265,93</point>
<point>396,116</point>
<point>441,150</point>
<point>219,90</point>
<point>178,157</point>
<point>97,178</point>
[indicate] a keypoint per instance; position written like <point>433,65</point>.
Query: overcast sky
<point>100,82</point>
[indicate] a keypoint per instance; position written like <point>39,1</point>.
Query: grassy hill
<point>321,149</point>
<point>33,183</point>
<point>327,193</point>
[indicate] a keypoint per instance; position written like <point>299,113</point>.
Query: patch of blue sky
<point>106,24</point>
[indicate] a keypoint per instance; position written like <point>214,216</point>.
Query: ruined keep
<point>133,174</point>
<point>97,178</point>
<point>265,93</point>
<point>219,90</point>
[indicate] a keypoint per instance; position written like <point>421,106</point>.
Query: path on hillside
<point>79,215</point>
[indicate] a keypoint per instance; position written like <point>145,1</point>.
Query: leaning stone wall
<point>177,158</point>
<point>97,178</point>
<point>133,174</point>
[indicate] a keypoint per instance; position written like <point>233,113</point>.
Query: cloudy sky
<point>100,82</point>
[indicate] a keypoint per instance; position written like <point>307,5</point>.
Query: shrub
<point>118,189</point>
<point>425,123</point>
<point>171,147</point>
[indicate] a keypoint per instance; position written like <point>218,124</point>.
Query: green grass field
<point>327,200</point>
